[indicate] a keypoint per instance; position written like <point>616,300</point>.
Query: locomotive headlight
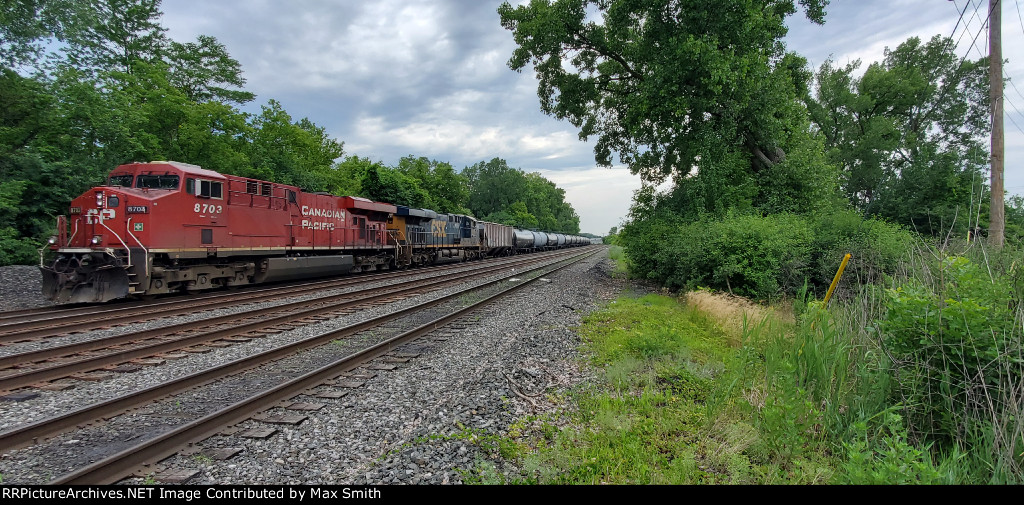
<point>52,240</point>
<point>97,239</point>
<point>99,199</point>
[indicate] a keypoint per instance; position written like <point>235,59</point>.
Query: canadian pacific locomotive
<point>165,226</point>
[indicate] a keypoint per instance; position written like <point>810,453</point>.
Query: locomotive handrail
<point>75,233</point>
<point>119,239</point>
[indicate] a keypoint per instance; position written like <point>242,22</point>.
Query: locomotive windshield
<point>157,181</point>
<point>120,180</point>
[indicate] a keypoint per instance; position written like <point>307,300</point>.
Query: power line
<point>968,4</point>
<point>984,26</point>
<point>1010,115</point>
<point>973,46</point>
<point>1017,3</point>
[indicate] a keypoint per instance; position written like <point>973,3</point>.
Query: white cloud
<point>601,196</point>
<point>429,77</point>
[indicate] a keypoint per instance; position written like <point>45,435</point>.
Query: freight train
<point>164,226</point>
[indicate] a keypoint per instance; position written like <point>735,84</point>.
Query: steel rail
<point>330,303</point>
<point>115,467</point>
<point>105,316</point>
<point>18,437</point>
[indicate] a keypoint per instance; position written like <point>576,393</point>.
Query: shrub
<point>885,457</point>
<point>15,251</point>
<point>956,344</point>
<point>762,256</point>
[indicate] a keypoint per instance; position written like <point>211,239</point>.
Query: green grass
<point>859,393</point>
<point>621,266</point>
<point>647,422</point>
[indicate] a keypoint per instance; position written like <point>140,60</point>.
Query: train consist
<point>165,226</point>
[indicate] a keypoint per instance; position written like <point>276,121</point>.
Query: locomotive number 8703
<point>165,226</point>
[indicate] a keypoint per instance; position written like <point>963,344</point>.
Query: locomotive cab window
<point>167,181</point>
<point>121,180</point>
<point>190,186</point>
<point>210,189</point>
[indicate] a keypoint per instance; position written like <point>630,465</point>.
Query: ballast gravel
<point>21,287</point>
<point>426,421</point>
<point>429,420</point>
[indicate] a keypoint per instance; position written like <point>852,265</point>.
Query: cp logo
<point>94,216</point>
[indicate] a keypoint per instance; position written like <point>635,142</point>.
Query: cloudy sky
<point>429,78</point>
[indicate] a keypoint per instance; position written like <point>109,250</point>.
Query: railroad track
<point>32,324</point>
<point>362,342</point>
<point>130,350</point>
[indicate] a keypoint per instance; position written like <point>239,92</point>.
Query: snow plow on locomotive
<point>164,226</point>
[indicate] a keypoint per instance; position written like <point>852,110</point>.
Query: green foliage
<point>447,190</point>
<point>118,35</point>
<point>201,69</point>
<point>612,237</point>
<point>909,135</point>
<point>26,24</point>
<point>761,256</point>
<point>956,340</point>
<point>698,91</point>
<point>885,457</point>
<point>645,425</point>
<point>289,152</point>
<point>502,194</point>
<point>385,185</point>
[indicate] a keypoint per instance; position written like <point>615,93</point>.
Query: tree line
<point>706,95</point>
<point>88,85</point>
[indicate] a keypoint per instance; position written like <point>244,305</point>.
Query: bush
<point>954,335</point>
<point>15,251</point>
<point>885,457</point>
<point>762,256</point>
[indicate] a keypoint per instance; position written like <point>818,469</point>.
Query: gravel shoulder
<point>21,287</point>
<point>425,422</point>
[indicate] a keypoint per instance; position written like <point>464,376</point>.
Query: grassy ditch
<point>915,384</point>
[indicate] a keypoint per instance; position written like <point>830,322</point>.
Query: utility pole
<point>997,219</point>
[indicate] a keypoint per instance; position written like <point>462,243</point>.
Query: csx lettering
<point>437,228</point>
<point>95,216</point>
<point>206,208</point>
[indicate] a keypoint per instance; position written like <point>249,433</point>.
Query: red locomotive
<point>165,226</point>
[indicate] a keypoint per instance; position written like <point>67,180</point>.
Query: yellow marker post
<point>835,281</point>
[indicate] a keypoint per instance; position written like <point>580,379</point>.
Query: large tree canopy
<point>667,85</point>
<point>909,135</point>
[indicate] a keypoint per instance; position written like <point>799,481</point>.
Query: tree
<point>119,34</point>
<point>908,136</point>
<point>447,189</point>
<point>384,184</point>
<point>201,69</point>
<point>495,188</point>
<point>290,153</point>
<point>696,89</point>
<point>24,24</point>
